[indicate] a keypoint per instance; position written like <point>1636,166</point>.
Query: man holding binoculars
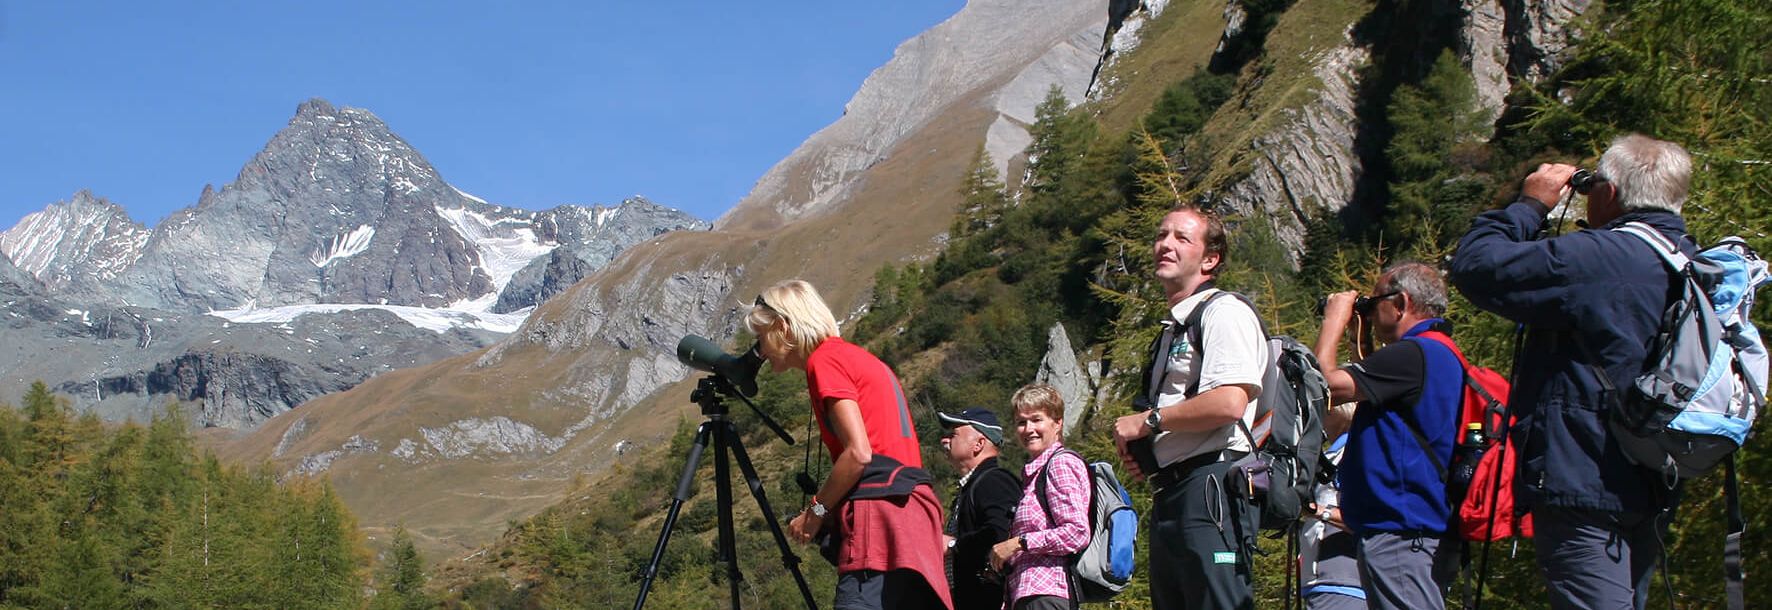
<point>1590,301</point>
<point>1393,472</point>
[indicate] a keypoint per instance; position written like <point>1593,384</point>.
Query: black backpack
<point>1288,432</point>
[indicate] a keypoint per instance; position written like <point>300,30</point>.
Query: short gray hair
<point>1421,282</point>
<point>1649,174</point>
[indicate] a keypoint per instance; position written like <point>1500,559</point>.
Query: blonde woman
<point>1052,521</point>
<point>877,503</point>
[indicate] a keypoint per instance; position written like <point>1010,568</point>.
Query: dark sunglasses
<point>1364,305</point>
<point>765,304</point>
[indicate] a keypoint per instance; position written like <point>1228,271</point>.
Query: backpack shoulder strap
<point>1668,251</point>
<point>1040,482</point>
<point>1155,369</point>
<point>1469,381</point>
<point>1415,428</point>
<point>1195,328</point>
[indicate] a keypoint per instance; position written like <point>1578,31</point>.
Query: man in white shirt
<point>1204,377</point>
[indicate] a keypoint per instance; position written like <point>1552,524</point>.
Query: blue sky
<point>530,104</point>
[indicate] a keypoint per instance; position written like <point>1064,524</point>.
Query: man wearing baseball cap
<point>983,507</point>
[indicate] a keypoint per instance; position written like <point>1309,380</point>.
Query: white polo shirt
<point>1235,353</point>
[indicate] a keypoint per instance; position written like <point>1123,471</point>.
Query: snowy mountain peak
<point>335,210</point>
<point>75,243</point>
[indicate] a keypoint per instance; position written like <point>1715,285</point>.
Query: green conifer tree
<point>1430,196</point>
<point>401,579</point>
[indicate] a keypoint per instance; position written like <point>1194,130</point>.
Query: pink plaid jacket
<point>1040,570</point>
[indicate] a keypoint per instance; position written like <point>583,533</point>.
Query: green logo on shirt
<point>1224,558</point>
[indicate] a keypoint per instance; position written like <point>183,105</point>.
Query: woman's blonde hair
<point>1040,397</point>
<point>807,321</point>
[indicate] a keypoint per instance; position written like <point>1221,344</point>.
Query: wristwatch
<point>818,510</point>
<point>1154,420</point>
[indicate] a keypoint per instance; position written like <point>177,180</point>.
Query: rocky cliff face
<point>74,245</point>
<point>590,237</point>
<point>129,362</point>
<point>1539,35</point>
<point>11,275</point>
<point>1309,163</point>
<point>992,49</point>
<point>1482,43</point>
<point>250,373</point>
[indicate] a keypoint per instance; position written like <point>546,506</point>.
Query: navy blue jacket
<point>1605,287</point>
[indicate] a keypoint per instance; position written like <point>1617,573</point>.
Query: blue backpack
<point>1104,566</point>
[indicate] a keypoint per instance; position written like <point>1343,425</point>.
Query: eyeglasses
<point>1364,305</point>
<point>765,304</point>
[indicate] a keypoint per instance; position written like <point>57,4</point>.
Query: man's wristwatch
<point>818,510</point>
<point>1153,419</point>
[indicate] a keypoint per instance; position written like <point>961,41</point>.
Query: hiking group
<point>1635,369</point>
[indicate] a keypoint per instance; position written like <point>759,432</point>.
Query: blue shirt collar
<point>1439,324</point>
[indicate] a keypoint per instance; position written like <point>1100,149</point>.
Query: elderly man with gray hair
<point>1589,302</point>
<point>1393,471</point>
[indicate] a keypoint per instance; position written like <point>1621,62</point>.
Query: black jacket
<point>983,513</point>
<point>1601,288</point>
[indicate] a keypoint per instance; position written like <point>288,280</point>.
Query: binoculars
<point>1584,181</point>
<point>1363,304</point>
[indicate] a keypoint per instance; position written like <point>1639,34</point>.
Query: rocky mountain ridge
<point>988,49</point>
<point>73,245</point>
<point>257,298</point>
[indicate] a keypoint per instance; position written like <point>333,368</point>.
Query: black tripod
<point>708,393</point>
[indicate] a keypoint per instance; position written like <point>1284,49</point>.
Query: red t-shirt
<point>838,370</point>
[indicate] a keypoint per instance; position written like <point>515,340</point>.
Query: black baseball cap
<point>981,419</point>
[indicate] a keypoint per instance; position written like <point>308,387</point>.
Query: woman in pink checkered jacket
<point>1051,522</point>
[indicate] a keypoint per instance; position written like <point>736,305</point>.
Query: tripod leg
<point>723,491</point>
<point>788,559</point>
<point>664,534</point>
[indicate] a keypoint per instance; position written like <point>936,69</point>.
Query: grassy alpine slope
<point>1070,246</point>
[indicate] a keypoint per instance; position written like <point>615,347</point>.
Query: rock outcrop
<point>1060,369</point>
<point>11,275</point>
<point>1309,165</point>
<point>1539,35</point>
<point>1482,45</point>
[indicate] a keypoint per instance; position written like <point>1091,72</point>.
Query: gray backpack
<point>1702,386</point>
<point>1104,566</point>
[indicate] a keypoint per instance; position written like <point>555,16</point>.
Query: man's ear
<point>1209,262</point>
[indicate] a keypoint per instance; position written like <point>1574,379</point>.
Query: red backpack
<point>1487,512</point>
